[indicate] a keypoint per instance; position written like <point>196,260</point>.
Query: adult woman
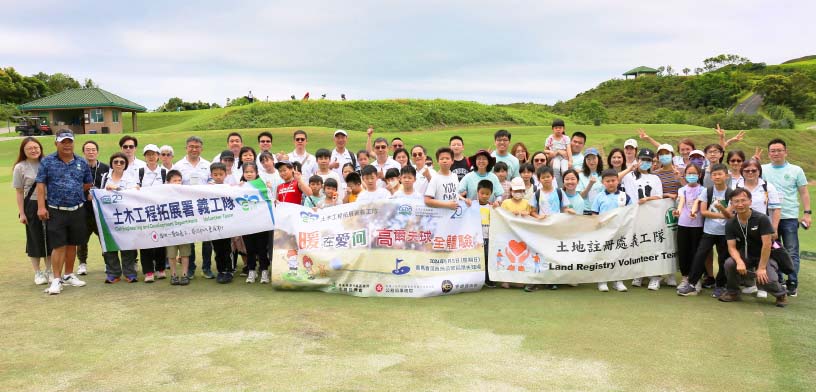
<point>118,179</point>
<point>520,151</point>
<point>668,173</point>
<point>423,171</point>
<point>246,154</point>
<point>589,183</point>
<point>735,158</point>
<point>401,156</point>
<point>616,159</point>
<point>684,147</point>
<point>538,159</point>
<point>166,154</point>
<point>23,176</point>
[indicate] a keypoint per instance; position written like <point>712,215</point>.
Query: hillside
<point>392,115</point>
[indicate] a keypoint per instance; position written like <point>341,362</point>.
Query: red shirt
<point>289,192</point>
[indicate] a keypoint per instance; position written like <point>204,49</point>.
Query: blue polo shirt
<point>609,201</point>
<point>64,181</point>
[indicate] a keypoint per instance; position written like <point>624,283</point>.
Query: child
<point>392,180</point>
<point>176,253</point>
<point>558,149</point>
<point>293,187</point>
<point>363,159</point>
<point>441,192</point>
<point>371,192</point>
<point>354,187</point>
<point>517,204</point>
<point>330,190</point>
<point>219,173</point>
<point>714,204</point>
<point>268,172</point>
<point>690,223</point>
<point>228,159</point>
<point>526,172</point>
<point>548,200</point>
<point>608,200</point>
<point>408,178</point>
<point>484,162</point>
<point>323,156</point>
<point>500,170</point>
<point>576,202</point>
<point>484,194</point>
<point>257,244</point>
<point>316,185</point>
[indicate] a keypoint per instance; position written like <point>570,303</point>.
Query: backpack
<point>142,172</point>
<point>710,194</point>
<point>561,197</point>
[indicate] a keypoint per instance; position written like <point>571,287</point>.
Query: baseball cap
<point>227,154</point>
<point>630,143</point>
<point>282,163</point>
<point>151,147</point>
<point>64,134</point>
<point>592,151</point>
<point>517,184</point>
<point>697,152</point>
<point>646,153</point>
<point>667,147</point>
<point>340,132</point>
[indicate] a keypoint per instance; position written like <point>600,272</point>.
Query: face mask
<point>645,165</point>
<point>692,178</point>
<point>665,159</point>
<point>518,195</point>
<point>697,161</point>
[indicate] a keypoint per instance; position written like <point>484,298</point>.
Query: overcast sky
<point>486,51</point>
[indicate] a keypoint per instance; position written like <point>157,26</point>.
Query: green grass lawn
<point>240,337</point>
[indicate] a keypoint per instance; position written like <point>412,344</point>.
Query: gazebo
<point>640,71</point>
<point>84,110</point>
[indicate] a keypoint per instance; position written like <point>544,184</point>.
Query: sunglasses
<point>267,141</point>
<point>300,139</point>
<point>118,162</point>
<point>380,147</point>
<point>750,171</point>
<point>166,154</point>
<point>128,146</point>
<point>417,154</point>
<point>395,146</point>
<point>540,160</point>
<point>735,161</point>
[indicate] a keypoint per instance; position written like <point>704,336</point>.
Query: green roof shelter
<point>640,71</point>
<point>84,110</point>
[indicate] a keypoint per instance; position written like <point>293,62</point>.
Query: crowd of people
<point>724,198</point>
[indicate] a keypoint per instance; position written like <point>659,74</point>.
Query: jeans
<point>206,255</point>
<point>789,234</point>
<point>116,267</point>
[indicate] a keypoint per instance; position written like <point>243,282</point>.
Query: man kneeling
<point>749,235</point>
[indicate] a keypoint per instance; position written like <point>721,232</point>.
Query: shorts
<point>182,250</point>
<point>66,227</point>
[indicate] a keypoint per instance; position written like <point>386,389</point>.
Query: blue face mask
<point>645,165</point>
<point>692,178</point>
<point>697,161</point>
<point>665,159</point>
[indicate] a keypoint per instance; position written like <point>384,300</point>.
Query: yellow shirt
<point>516,206</point>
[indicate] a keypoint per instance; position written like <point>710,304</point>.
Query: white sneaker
<point>73,280</point>
<point>251,276</point>
<point>49,275</point>
<point>699,286</point>
<point>54,288</point>
<point>39,278</point>
<point>264,276</point>
<point>637,282</point>
<point>671,280</point>
<point>654,283</point>
<point>619,286</point>
<point>762,294</point>
<point>83,269</point>
<point>602,287</point>
<point>750,290</point>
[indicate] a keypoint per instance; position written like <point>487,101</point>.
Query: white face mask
<point>518,195</point>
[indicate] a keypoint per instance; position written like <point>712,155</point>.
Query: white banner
<point>628,242</point>
<point>180,214</point>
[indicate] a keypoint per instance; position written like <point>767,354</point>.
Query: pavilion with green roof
<point>640,71</point>
<point>84,110</point>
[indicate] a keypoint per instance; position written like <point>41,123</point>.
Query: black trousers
<point>257,247</point>
<point>223,255</point>
<point>707,242</point>
<point>688,240</point>
<point>153,260</point>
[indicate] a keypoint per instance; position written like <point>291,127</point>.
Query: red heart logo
<point>517,253</point>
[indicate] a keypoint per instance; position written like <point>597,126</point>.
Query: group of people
<point>728,201</point>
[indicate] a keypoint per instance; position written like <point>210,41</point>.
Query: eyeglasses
<point>128,146</point>
<point>193,147</point>
<point>88,150</point>
<point>34,148</point>
<point>503,140</point>
<point>735,161</point>
<point>299,139</point>
<point>380,147</point>
<point>267,141</point>
<point>750,171</point>
<point>417,154</point>
<point>166,154</point>
<point>118,162</point>
<point>542,160</point>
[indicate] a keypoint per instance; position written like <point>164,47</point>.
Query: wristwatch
<point>809,212</point>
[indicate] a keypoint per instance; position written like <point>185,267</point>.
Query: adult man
<point>264,144</point>
<point>630,147</point>
<point>128,146</point>
<point>577,143</point>
<point>791,184</point>
<point>502,140</point>
<point>65,177</point>
<point>308,163</point>
<point>396,143</point>
<point>461,164</point>
<point>196,171</point>
<point>749,235</point>
<point>382,161</point>
<point>341,155</point>
<point>234,143</point>
<point>91,152</point>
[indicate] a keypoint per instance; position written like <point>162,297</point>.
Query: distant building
<point>640,71</point>
<point>84,110</point>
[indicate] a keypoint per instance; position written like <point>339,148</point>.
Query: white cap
<point>64,134</point>
<point>666,147</point>
<point>340,132</point>
<point>630,143</point>
<point>517,184</point>
<point>697,152</point>
<point>151,147</point>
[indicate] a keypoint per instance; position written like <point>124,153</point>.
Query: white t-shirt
<point>638,188</point>
<point>193,175</point>
<point>342,159</point>
<point>416,194</point>
<point>443,186</point>
<point>151,177</point>
<point>421,183</point>
<point>367,197</point>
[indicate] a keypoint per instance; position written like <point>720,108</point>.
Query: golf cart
<point>31,126</point>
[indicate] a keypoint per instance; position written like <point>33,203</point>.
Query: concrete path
<point>751,106</point>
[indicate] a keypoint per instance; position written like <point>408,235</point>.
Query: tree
<point>686,71</point>
<point>89,83</point>
<point>698,71</point>
<point>57,82</point>
<point>589,111</point>
<point>669,70</point>
<point>660,70</point>
<point>775,89</point>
